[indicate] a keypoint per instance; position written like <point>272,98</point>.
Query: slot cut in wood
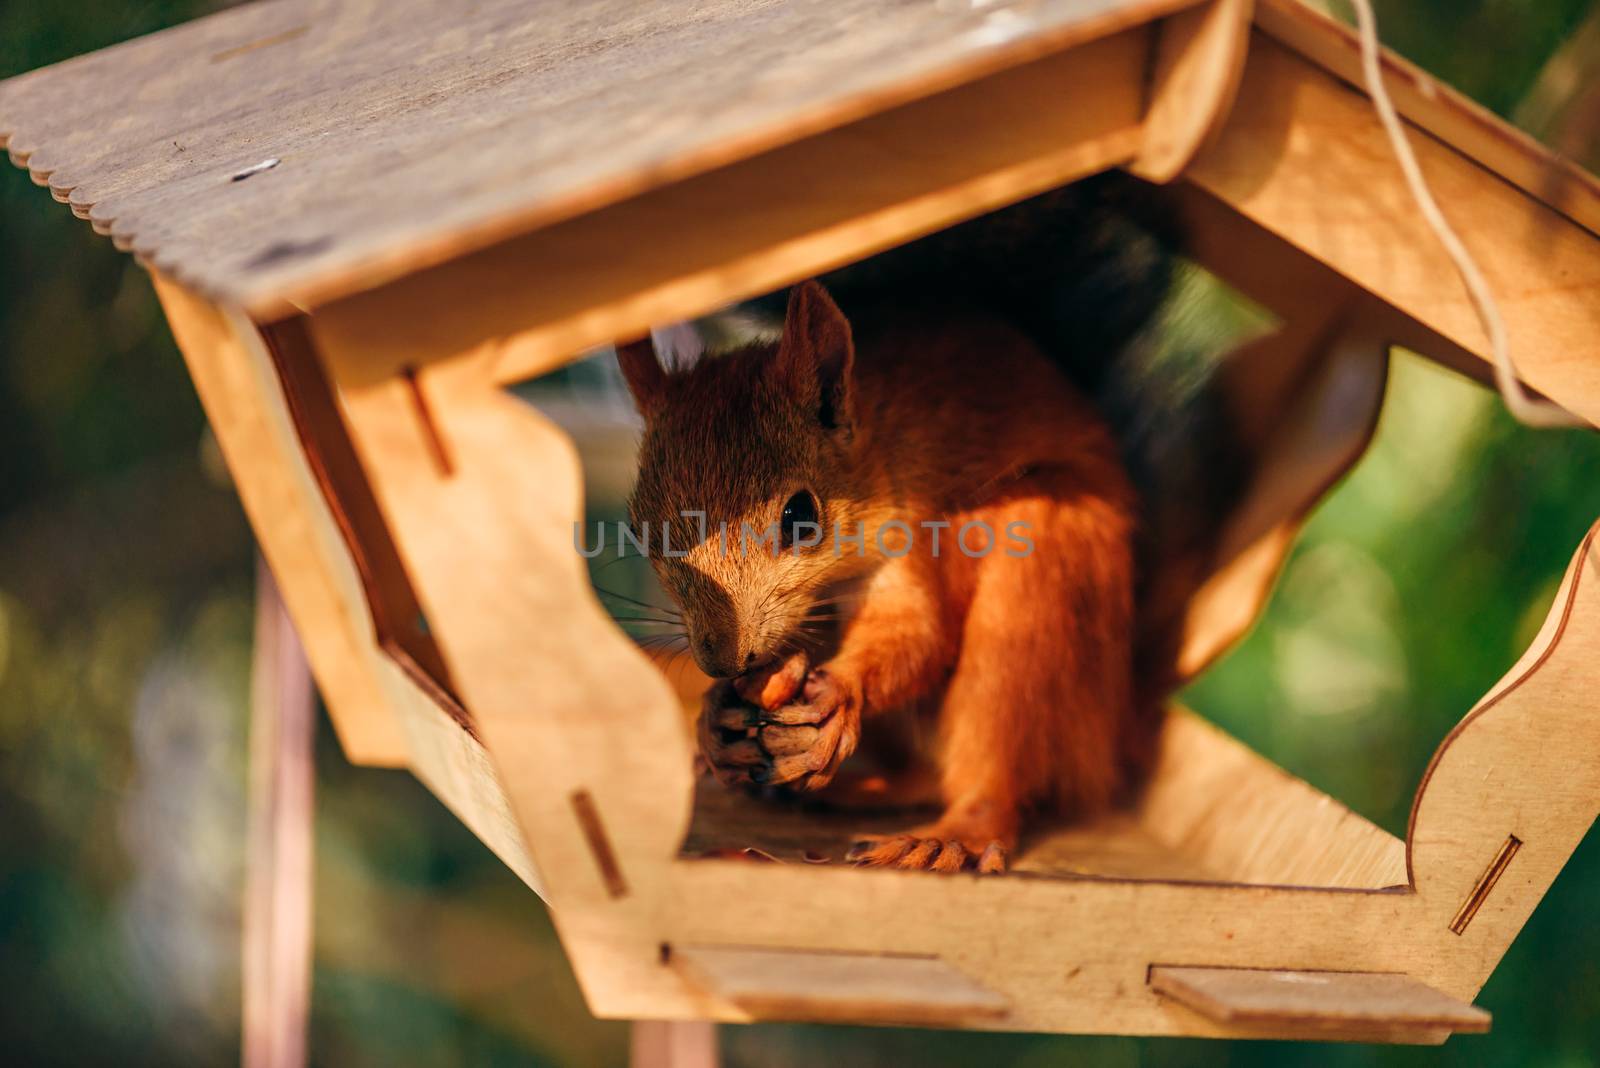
<point>1480,890</point>
<point>430,429</point>
<point>594,834</point>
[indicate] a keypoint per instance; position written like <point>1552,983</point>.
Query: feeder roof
<point>296,150</point>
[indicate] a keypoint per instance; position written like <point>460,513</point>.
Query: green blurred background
<point>126,589</point>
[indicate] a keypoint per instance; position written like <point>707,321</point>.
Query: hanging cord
<point>1523,407</point>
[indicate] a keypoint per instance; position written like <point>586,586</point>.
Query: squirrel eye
<point>801,508</point>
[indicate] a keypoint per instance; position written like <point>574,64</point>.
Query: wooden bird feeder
<point>364,220</point>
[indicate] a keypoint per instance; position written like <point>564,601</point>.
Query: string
<point>1523,407</point>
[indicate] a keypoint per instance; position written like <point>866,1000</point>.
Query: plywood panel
<point>1444,112</point>
<point>381,715</point>
<point>750,227</point>
<point>410,131</point>
<point>234,376</point>
<point>1304,157</point>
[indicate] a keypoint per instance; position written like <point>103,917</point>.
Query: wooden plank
<point>453,765</point>
<point>1316,1004</point>
<point>1242,819</point>
<point>1304,157</point>
<point>1199,56</point>
<point>1118,845</point>
<point>835,987</point>
<point>1215,812</point>
<point>756,225</point>
<point>238,387</point>
<point>1301,290</point>
<point>381,716</point>
<point>410,133</point>
<point>1442,111</point>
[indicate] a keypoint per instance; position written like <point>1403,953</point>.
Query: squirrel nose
<point>721,659</point>
<point>714,658</point>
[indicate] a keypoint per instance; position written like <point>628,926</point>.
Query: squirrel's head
<point>746,468</point>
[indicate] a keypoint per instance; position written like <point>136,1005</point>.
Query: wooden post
<point>674,1044</point>
<point>277,906</point>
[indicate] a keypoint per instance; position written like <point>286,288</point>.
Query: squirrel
<point>957,523</point>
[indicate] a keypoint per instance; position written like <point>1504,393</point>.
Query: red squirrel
<point>1014,370</point>
<point>910,446</point>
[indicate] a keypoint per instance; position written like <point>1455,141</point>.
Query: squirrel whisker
<point>663,608</point>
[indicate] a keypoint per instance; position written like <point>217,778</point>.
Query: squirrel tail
<point>1093,273</point>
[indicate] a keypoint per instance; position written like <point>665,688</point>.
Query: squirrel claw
<point>806,742</point>
<point>994,859</point>
<point>912,853</point>
<point>735,717</point>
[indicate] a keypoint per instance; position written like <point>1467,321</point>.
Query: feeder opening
<point>1170,352</point>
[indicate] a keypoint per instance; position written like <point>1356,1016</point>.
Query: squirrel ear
<point>646,378</point>
<point>817,353</point>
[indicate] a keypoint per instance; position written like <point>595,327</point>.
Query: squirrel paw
<point>915,853</point>
<point>810,737</point>
<point>783,726</point>
<point>726,735</point>
<point>732,713</point>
